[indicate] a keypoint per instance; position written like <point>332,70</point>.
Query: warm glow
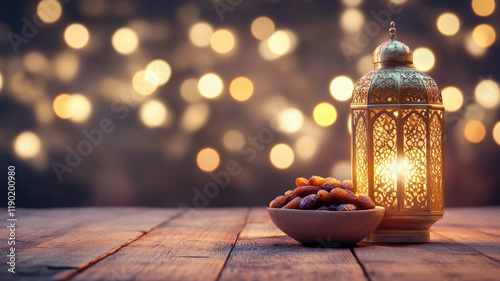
<point>472,47</point>
<point>448,24</point>
<point>398,1</point>
<point>452,98</point>
<point>195,117</point>
<point>341,88</point>
<point>496,132</point>
<point>189,90</point>
<point>342,170</point>
<point>141,84</point>
<point>61,106</point>
<point>241,89</point>
<point>305,147</point>
<point>200,34</point>
<point>222,41</point>
<point>49,11</point>
<point>487,93</point>
<point>233,139</point>
<point>352,3</point>
<point>290,120</point>
<point>79,107</point>
<point>484,35</point>
<point>349,125</point>
<point>125,41</point>
<point>262,28</point>
<point>76,36</point>
<point>279,43</point>
<point>265,51</point>
<point>35,62</point>
<point>210,85</point>
<point>474,131</point>
<point>43,111</point>
<point>1,81</point>
<point>423,59</point>
<point>325,114</point>
<point>66,66</point>
<point>158,72</point>
<point>483,8</point>
<point>27,145</point>
<point>352,21</point>
<point>153,114</point>
<point>208,159</point>
<point>364,64</point>
<point>281,156</point>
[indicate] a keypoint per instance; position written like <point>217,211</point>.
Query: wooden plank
<point>81,246</point>
<point>184,249</point>
<point>263,252</point>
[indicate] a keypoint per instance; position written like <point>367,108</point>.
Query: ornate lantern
<point>397,144</point>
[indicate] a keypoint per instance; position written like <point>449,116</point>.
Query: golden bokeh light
<point>290,120</point>
<point>448,24</point>
<point>452,98</point>
<point>352,3</point>
<point>487,93</point>
<point>1,81</point>
<point>398,1</point>
<point>27,145</point>
<point>210,85</point>
<point>324,114</point>
<point>484,35</point>
<point>483,8</point>
<point>341,88</point>
<point>158,72</point>
<point>35,62</point>
<point>496,132</point>
<point>342,170</point>
<point>76,36</point>
<point>364,64</point>
<point>265,51</point>
<point>200,34</point>
<point>208,159</point>
<point>423,59</point>
<point>474,131</point>
<point>262,28</point>
<point>279,43</point>
<point>153,114</point>
<point>66,66</point>
<point>189,90</point>
<point>352,20</point>
<point>241,88</point>
<point>195,117</point>
<point>125,41</point>
<point>222,41</point>
<point>79,107</point>
<point>233,139</point>
<point>281,156</point>
<point>61,106</point>
<point>49,11</point>
<point>141,84</point>
<point>472,47</point>
<point>305,147</point>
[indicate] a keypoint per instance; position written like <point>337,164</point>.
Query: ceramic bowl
<point>327,228</point>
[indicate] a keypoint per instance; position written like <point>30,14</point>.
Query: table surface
<point>136,243</point>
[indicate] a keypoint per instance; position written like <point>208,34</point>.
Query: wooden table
<point>234,244</point>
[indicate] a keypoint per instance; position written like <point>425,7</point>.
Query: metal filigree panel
<point>436,159</point>
<point>384,88</point>
<point>361,150</point>
<point>360,93</point>
<point>415,163</point>
<point>412,88</point>
<point>384,156</point>
<point>433,92</point>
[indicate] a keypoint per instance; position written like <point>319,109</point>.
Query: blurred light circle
<point>27,145</point>
<point>153,114</point>
<point>265,51</point>
<point>342,170</point>
<point>35,62</point>
<point>364,64</point>
<point>448,24</point>
<point>423,59</point>
<point>305,147</point>
<point>210,85</point>
<point>200,34</point>
<point>452,98</point>
<point>79,107</point>
<point>352,3</point>
<point>49,11</point>
<point>352,20</point>
<point>125,40</point>
<point>189,90</point>
<point>484,35</point>
<point>208,159</point>
<point>222,41</point>
<point>472,47</point>
<point>290,120</point>
<point>262,28</point>
<point>398,1</point>
<point>233,139</point>
<point>341,88</point>
<point>1,81</point>
<point>158,72</point>
<point>66,66</point>
<point>279,43</point>
<point>325,114</point>
<point>487,93</point>
<point>496,133</point>
<point>241,88</point>
<point>474,131</point>
<point>76,36</point>
<point>61,106</point>
<point>195,117</point>
<point>281,156</point>
<point>483,8</point>
<point>141,84</point>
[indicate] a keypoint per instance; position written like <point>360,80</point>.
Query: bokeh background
<point>189,86</point>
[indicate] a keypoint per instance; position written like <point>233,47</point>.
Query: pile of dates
<point>319,193</point>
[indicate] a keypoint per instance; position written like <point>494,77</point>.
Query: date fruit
<point>326,197</point>
<point>343,196</point>
<point>303,191</point>
<point>364,202</point>
<point>347,184</point>
<point>330,184</point>
<point>310,202</point>
<point>301,182</point>
<point>317,181</point>
<point>346,207</point>
<point>294,204</point>
<point>278,202</point>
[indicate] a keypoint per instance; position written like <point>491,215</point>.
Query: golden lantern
<point>397,144</point>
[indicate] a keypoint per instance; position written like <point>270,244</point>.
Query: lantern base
<point>403,229</point>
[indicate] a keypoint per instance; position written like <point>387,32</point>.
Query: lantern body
<point>397,144</point>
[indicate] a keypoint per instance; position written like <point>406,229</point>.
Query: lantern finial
<point>392,30</point>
